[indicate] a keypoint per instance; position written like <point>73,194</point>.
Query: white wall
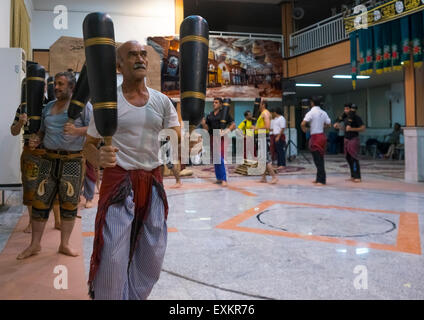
<point>159,23</point>
<point>4,23</point>
<point>398,103</point>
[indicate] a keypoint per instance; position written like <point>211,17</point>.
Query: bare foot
<point>281,168</point>
<point>89,204</point>
<point>67,251</point>
<point>274,180</point>
<point>357,180</point>
<point>263,180</point>
<point>224,183</point>
<point>320,184</point>
<point>57,225</point>
<point>176,185</point>
<point>28,228</point>
<point>28,252</point>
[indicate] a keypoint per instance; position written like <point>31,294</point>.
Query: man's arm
<point>267,121</point>
<point>35,139</point>
<point>204,124</point>
<point>303,126</point>
<point>178,131</point>
<point>16,127</point>
<point>360,129</point>
<point>230,128</point>
<point>104,157</point>
<point>71,130</point>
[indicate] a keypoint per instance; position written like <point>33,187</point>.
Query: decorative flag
<point>387,46</point>
<point>363,66</point>
<point>394,26</point>
<point>404,39</point>
<point>353,57</point>
<point>417,36</point>
<point>370,50</point>
<point>378,48</point>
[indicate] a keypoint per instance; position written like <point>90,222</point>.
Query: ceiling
<point>260,16</point>
<point>140,8</point>
<point>331,85</point>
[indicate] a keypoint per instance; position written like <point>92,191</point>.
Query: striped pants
<point>115,280</point>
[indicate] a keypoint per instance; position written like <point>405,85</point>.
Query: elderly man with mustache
<point>131,232</point>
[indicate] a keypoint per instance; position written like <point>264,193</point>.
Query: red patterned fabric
<point>318,142</point>
<point>90,171</point>
<point>117,184</point>
<point>352,146</point>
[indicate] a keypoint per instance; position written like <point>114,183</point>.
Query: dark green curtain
<point>405,40</point>
<point>387,47</point>
<point>394,28</point>
<point>366,51</point>
<point>417,37</point>
<point>378,48</point>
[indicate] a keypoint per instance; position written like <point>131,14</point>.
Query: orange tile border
<point>408,237</point>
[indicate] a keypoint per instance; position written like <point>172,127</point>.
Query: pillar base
<point>414,154</point>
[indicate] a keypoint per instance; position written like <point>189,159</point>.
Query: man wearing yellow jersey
<point>246,127</point>
<point>262,126</point>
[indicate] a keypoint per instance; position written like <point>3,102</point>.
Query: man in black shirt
<point>353,125</point>
<point>212,122</point>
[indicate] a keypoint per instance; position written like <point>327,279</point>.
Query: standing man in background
<point>263,125</point>
<point>279,125</point>
<point>246,127</point>
<point>353,126</point>
<point>318,120</point>
<point>30,162</point>
<point>61,168</point>
<point>212,122</point>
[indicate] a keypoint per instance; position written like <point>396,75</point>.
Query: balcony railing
<point>321,34</point>
<point>253,36</point>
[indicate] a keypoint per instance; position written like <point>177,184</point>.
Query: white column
<point>4,24</point>
<point>414,153</point>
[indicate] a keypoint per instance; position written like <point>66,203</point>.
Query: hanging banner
<point>243,68</point>
<point>386,12</point>
<point>394,28</point>
<point>353,57</point>
<point>417,37</point>
<point>378,48</point>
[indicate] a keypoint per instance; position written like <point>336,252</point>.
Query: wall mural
<point>237,67</point>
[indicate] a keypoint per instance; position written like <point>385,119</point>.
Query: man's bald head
<point>126,46</point>
<point>131,59</point>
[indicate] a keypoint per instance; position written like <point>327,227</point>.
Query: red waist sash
<point>116,186</point>
<point>318,142</point>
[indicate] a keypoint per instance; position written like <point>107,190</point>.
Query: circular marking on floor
<point>216,287</point>
<point>347,224</point>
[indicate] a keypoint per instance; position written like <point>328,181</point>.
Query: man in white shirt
<point>317,119</point>
<point>131,232</point>
<point>278,126</point>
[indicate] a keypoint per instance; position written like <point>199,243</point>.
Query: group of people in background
<point>316,120</point>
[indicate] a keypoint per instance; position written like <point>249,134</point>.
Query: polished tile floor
<point>293,240</point>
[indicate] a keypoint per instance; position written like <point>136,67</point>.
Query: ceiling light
<point>308,85</point>
<point>346,76</point>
